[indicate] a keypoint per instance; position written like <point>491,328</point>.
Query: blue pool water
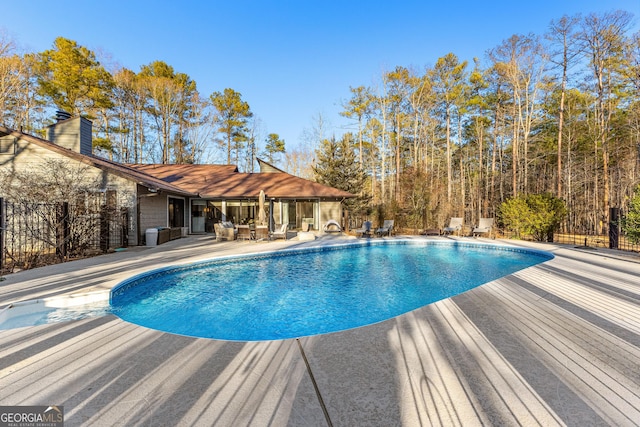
<point>298,293</point>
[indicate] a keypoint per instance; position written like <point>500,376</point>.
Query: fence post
<point>2,233</point>
<point>104,228</point>
<point>124,221</point>
<point>614,227</point>
<point>62,230</point>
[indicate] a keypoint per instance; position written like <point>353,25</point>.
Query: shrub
<point>536,214</point>
<point>514,214</point>
<point>631,223</point>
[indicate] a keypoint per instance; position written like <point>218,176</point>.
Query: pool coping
<point>292,251</point>
<point>471,359</point>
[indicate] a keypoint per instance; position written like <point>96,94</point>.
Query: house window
<point>198,211</point>
<point>297,212</point>
<point>176,212</point>
<point>111,198</point>
<point>205,213</point>
<point>7,145</point>
<point>242,211</point>
<point>213,215</point>
<point>90,202</point>
<point>306,213</point>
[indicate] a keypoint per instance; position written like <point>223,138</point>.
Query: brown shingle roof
<point>224,181</point>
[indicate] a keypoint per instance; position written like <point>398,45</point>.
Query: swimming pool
<point>300,292</point>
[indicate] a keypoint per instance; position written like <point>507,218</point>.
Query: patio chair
<point>225,231</point>
<point>455,225</point>
<point>244,232</point>
<point>484,227</point>
<point>386,228</point>
<point>281,233</point>
<point>262,232</point>
<point>332,226</point>
<point>365,230</point>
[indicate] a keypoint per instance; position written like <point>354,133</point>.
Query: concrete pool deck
<point>554,344</point>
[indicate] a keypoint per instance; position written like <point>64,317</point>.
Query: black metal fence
<point>587,235</point>
<point>594,240</point>
<point>575,233</point>
<point>35,234</point>
<point>589,239</point>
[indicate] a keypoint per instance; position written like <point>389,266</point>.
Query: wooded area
<point>551,113</point>
<point>555,114</point>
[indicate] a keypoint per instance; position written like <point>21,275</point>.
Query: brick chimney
<point>73,133</point>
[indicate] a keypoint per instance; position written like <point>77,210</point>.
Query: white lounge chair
<point>484,227</point>
<point>281,233</point>
<point>455,225</point>
<point>365,230</point>
<point>386,228</point>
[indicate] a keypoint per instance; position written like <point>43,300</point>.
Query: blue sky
<point>290,60</point>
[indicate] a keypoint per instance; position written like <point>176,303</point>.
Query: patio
<point>554,344</point>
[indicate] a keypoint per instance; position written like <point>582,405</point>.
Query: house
<point>224,194</point>
<point>189,197</point>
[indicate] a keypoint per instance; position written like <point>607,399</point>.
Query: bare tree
<point>521,60</point>
<point>358,108</point>
<point>603,36</point>
<point>562,35</point>
<point>448,79</point>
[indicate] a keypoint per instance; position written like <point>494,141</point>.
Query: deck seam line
<point>315,384</point>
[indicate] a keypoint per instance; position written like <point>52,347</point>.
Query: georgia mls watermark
<point>31,416</point>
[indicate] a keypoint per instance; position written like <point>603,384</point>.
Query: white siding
<point>153,211</point>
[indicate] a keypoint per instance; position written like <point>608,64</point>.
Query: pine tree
<point>232,118</point>
<point>73,79</point>
<point>337,167</point>
<point>274,145</point>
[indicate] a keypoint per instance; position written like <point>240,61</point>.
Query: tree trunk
<point>449,161</point>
